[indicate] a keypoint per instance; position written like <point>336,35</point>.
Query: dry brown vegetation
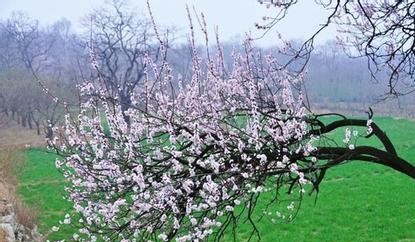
<point>2,236</point>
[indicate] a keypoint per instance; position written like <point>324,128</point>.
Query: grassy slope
<point>357,201</point>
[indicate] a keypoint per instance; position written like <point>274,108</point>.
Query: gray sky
<point>233,17</point>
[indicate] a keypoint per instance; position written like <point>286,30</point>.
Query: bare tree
<point>383,31</point>
<point>32,69</point>
<point>119,42</point>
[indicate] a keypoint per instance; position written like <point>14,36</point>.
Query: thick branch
<point>365,153</point>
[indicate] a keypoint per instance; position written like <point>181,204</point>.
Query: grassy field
<point>357,201</point>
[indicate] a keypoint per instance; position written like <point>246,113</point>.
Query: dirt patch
<point>14,135</point>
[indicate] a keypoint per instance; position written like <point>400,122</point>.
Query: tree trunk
<point>29,121</point>
<point>23,118</point>
<point>49,130</point>
<point>37,127</point>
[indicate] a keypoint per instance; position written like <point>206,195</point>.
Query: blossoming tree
<point>193,161</point>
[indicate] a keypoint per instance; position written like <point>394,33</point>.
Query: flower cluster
<point>192,153</point>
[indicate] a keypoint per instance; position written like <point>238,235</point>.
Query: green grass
<point>357,201</point>
<point>41,187</point>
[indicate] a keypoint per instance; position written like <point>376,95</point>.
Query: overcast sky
<point>233,17</point>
